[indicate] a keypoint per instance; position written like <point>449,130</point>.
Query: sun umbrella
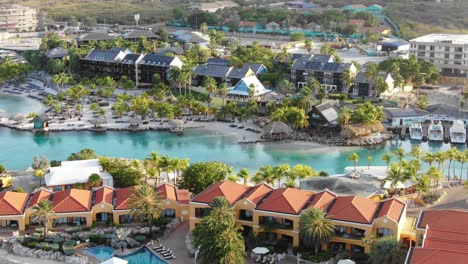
<point>260,250</point>
<point>115,260</point>
<point>133,120</point>
<point>98,121</point>
<point>398,185</point>
<point>176,122</point>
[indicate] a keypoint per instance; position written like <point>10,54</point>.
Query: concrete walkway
<point>176,241</point>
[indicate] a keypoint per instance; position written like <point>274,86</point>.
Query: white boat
<point>458,132</point>
<point>436,131</point>
<point>416,131</point>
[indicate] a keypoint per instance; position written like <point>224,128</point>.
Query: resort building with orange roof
<point>442,238</point>
<point>274,214</point>
<point>74,207</point>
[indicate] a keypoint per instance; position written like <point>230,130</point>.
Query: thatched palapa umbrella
<point>98,121</point>
<point>176,122</point>
<point>17,117</point>
<point>277,130</point>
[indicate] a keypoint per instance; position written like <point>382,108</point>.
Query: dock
<point>425,128</point>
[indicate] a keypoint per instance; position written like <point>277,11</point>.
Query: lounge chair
<point>258,258</point>
<point>264,260</point>
<point>272,260</point>
<point>169,256</point>
<point>161,249</point>
<point>157,247</point>
<point>166,251</point>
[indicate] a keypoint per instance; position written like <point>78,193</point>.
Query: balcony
<point>245,215</point>
<point>276,223</point>
<point>355,236</point>
<point>201,212</point>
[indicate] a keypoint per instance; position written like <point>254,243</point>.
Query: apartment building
<point>449,52</point>
<point>274,214</point>
<point>16,18</point>
<point>441,238</point>
<point>74,207</point>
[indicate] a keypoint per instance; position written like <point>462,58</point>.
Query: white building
<point>448,52</point>
<point>72,172</point>
<point>16,18</point>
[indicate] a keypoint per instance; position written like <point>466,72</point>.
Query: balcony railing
<point>349,235</point>
<point>272,225</point>
<point>245,218</point>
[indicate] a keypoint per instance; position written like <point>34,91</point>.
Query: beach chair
<point>264,260</point>
<point>167,253</point>
<point>272,260</point>
<point>157,247</point>
<point>161,249</point>
<point>169,257</point>
<point>258,258</point>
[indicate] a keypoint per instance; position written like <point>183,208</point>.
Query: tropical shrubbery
<point>123,173</point>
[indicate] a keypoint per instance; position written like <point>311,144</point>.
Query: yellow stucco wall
<point>101,208</point>
<point>19,218</point>
<point>87,215</point>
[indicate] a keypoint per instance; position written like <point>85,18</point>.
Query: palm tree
<point>315,229</point>
<point>39,174</point>
<point>314,85</point>
<point>154,158</point>
<point>347,78</point>
<point>399,153</point>
<point>179,165</point>
<point>264,174</point>
<point>243,174</point>
<point>462,158</point>
<point>354,157</point>
<point>387,250</point>
<point>145,205</point>
<point>280,172</point>
<point>210,85</point>
<point>369,161</point>
<point>344,116</point>
<point>435,175</point>
<point>452,155</point>
<point>303,171</point>
<point>429,158</point>
<point>164,164</point>
<point>42,211</point>
<point>395,174</point>
<point>223,91</point>
<point>387,158</point>
<point>308,44</point>
<point>372,71</point>
<point>203,27</point>
<point>217,237</point>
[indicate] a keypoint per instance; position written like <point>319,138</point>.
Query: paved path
<point>456,198</point>
<point>176,241</point>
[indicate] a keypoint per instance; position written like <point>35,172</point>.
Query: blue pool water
<point>142,256</point>
<point>101,252</point>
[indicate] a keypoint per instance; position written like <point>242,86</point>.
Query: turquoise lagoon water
<point>101,252</point>
<point>12,104</point>
<point>142,256</point>
<point>17,148</point>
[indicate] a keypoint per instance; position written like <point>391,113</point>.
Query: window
<point>447,49</point>
<point>381,232</point>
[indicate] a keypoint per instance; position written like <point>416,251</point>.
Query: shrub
<point>43,245</point>
<point>69,247</point>
<point>55,246</point>
<point>72,230</point>
<point>431,197</point>
<point>97,239</point>
<point>57,239</point>
<point>30,244</point>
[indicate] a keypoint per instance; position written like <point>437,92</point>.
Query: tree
<point>354,157</point>
<point>314,85</point>
<point>42,211</point>
<point>399,153</point>
<point>210,85</point>
<point>200,175</point>
<point>309,44</point>
<point>344,116</point>
<point>422,102</point>
<point>145,204</point>
<point>395,174</point>
<point>429,158</point>
<point>285,86</point>
<point>387,158</point>
<point>315,229</point>
<point>303,171</point>
<point>264,174</point>
<point>280,172</point>
<point>123,173</point>
<point>217,237</point>
<point>452,156</point>
<point>40,163</point>
<point>369,161</point>
<point>83,154</point>
<point>39,174</point>
<point>347,78</point>
<point>373,71</point>
<point>415,152</point>
<point>95,179</point>
<point>244,175</point>
<point>435,175</point>
<point>387,250</point>
<point>203,28</point>
<point>2,169</point>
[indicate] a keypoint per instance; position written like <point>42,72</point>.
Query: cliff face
<point>355,131</point>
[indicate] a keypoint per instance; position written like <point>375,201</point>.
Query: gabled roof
<point>122,196</point>
<point>212,70</point>
<point>257,68</point>
<point>435,256</point>
<point>72,172</point>
<point>131,58</point>
<point>322,200</point>
<point>94,36</point>
<point>56,53</point>
<point>239,73</point>
<point>111,55</point>
<point>353,209</point>
<point>243,86</point>
<point>41,118</point>
<point>72,200</point>
<point>104,194</point>
<point>285,200</point>
<point>140,33</point>
<point>392,208</point>
<point>327,111</point>
<point>169,191</point>
<point>191,38</point>
<point>404,112</point>
<point>442,109</point>
<point>327,67</point>
<point>157,60</point>
<point>12,203</point>
<point>447,240</point>
<point>219,61</point>
<point>452,220</point>
<point>230,190</point>
<point>322,58</point>
<point>362,77</point>
<point>256,193</point>
<point>37,196</point>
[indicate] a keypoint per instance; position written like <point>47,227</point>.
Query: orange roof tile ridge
<point>287,200</point>
<point>357,209</point>
<point>6,201</point>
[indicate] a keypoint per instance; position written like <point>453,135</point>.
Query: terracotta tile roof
<point>447,220</point>
<point>285,200</point>
<point>12,203</point>
<point>353,209</point>
<point>167,191</point>
<point>72,200</point>
<point>256,193</point>
<point>322,200</point>
<point>104,194</point>
<point>38,196</point>
<point>392,208</point>
<point>230,190</point>
<point>122,196</point>
<point>183,196</point>
<point>436,256</point>
<point>447,240</point>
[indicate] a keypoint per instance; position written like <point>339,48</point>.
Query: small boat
<point>436,131</point>
<point>458,132</point>
<point>416,131</point>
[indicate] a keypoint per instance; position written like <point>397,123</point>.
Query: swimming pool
<point>101,252</point>
<point>142,256</point>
